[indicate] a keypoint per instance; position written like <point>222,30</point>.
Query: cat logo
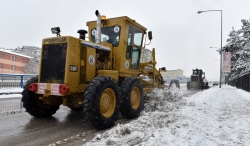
<point>73,68</point>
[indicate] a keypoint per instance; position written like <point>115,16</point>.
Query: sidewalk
<point>217,116</point>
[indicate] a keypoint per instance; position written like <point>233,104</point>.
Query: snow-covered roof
<point>15,53</point>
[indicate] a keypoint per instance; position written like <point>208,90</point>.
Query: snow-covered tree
<point>32,66</point>
<point>239,45</point>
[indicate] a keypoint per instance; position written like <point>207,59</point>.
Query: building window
<point>13,58</point>
<point>23,60</point>
<point>12,67</point>
<point>2,55</point>
<point>1,65</point>
<point>36,53</point>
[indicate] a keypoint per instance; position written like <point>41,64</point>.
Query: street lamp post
<point>220,42</point>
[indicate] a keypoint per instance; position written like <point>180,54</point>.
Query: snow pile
<point>171,94</point>
<point>10,90</point>
<point>217,116</point>
<point>159,99</point>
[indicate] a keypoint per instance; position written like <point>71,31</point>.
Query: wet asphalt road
<point>18,128</point>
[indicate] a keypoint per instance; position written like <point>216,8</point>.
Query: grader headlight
<point>56,30</point>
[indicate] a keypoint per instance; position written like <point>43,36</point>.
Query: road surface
<point>63,128</point>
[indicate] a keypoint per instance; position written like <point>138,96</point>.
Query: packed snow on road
<point>217,116</point>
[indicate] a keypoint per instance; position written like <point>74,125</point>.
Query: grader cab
<point>99,74</point>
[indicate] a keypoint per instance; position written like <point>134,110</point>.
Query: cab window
<point>136,51</point>
<point>129,45</point>
<point>108,34</point>
<point>135,58</point>
<point>138,36</point>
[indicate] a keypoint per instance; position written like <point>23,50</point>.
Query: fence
<point>241,82</point>
<point>12,81</point>
<point>10,104</point>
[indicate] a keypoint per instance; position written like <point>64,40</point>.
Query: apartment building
<point>174,73</point>
<point>29,51</point>
<point>13,63</point>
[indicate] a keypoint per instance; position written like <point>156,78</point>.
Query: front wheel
<point>33,105</point>
<point>132,97</point>
<point>101,105</point>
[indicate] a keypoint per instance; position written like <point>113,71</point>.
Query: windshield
<point>108,34</point>
<point>195,72</point>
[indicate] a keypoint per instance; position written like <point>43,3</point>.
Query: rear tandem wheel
<point>132,97</point>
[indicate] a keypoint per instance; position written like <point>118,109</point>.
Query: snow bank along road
<point>211,117</point>
<point>218,116</point>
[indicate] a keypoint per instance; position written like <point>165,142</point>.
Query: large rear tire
<point>132,97</point>
<point>207,85</point>
<point>79,109</point>
<point>102,102</point>
<point>33,105</point>
<point>202,85</point>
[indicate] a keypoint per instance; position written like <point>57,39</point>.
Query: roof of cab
<point>124,18</point>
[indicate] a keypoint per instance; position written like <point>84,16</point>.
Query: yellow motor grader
<point>99,74</point>
<point>197,80</point>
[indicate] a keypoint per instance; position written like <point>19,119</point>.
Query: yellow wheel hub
<point>107,102</point>
<point>135,98</point>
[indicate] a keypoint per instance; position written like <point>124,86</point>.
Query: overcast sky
<point>181,36</point>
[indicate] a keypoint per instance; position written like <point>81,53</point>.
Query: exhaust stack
<point>98,27</point>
